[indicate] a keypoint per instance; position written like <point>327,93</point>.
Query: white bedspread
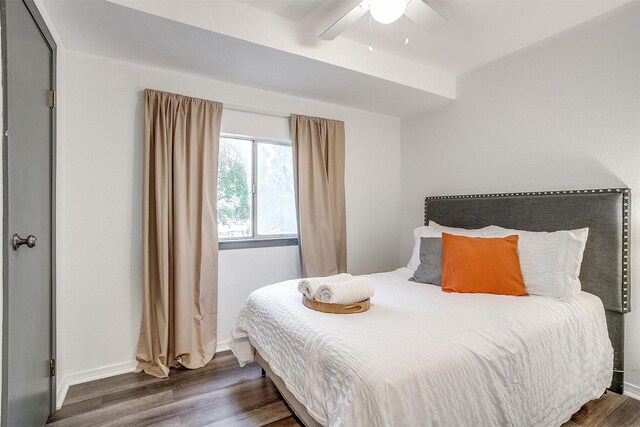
<point>422,357</point>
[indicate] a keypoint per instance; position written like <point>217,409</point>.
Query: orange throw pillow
<point>481,265</point>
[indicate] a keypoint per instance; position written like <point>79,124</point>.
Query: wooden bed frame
<point>605,268</point>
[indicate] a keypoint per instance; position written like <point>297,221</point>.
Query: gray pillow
<point>430,268</point>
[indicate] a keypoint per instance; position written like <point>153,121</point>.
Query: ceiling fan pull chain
<point>406,29</point>
<point>370,45</point>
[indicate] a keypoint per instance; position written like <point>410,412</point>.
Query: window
<point>256,204</point>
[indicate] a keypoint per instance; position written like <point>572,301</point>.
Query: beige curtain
<point>180,237</point>
<point>318,167</point>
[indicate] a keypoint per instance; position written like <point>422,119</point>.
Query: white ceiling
<point>477,31</point>
<point>290,9</point>
<point>242,21</point>
<point>106,29</point>
<point>274,44</point>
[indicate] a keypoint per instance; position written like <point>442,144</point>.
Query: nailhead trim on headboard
<point>625,231</point>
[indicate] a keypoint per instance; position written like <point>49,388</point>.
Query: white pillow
<point>469,232</point>
<point>436,230</point>
<point>550,261</point>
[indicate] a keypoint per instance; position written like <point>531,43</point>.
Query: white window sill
<point>257,243</point>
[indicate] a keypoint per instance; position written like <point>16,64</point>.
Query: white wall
<point>563,114</point>
<point>102,180</point>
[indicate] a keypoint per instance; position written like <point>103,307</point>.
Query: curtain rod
<point>256,111</point>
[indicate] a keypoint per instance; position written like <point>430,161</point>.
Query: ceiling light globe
<point>387,11</point>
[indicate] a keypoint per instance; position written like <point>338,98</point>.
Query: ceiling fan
<point>386,12</point>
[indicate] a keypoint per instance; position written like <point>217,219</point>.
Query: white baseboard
<point>632,391</point>
<point>61,393</point>
<point>222,346</point>
<point>104,372</point>
<point>91,375</point>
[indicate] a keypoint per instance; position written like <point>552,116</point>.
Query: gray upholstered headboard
<point>605,268</point>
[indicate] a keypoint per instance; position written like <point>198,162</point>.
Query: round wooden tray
<point>324,307</point>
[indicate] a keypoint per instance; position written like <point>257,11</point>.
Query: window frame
<point>256,240</point>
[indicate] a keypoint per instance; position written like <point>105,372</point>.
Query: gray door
<point>27,332</point>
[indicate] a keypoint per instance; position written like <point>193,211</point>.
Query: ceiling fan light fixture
<point>387,11</point>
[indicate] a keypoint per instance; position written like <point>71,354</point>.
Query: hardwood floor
<point>223,394</point>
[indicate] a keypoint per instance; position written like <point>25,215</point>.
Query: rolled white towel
<point>349,292</point>
<point>309,286</point>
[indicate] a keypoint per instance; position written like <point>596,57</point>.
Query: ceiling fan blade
<point>422,14</point>
<point>343,23</point>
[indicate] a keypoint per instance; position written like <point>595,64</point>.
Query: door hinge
<point>52,99</point>
<point>52,367</point>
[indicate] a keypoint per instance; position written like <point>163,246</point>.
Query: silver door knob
<point>18,241</point>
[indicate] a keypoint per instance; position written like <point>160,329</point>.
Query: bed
<point>420,356</point>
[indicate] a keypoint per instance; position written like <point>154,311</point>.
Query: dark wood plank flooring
<point>223,394</point>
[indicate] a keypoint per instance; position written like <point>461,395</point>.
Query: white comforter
<point>422,357</point>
